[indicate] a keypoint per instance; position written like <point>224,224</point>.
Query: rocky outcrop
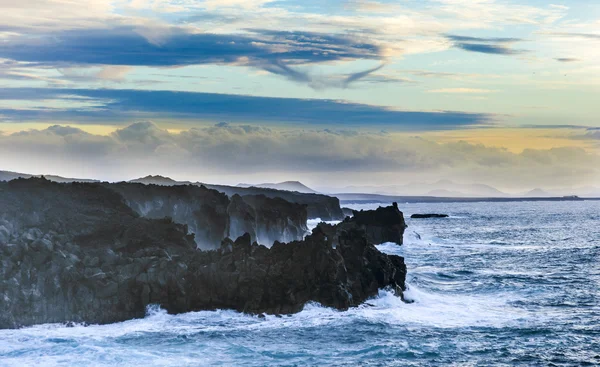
<point>77,252</point>
<point>426,216</point>
<point>204,211</point>
<point>212,215</point>
<point>317,205</point>
<point>385,224</point>
<point>267,219</point>
<point>347,212</point>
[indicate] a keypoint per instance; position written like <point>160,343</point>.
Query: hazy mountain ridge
<point>441,188</point>
<point>9,176</point>
<point>450,189</point>
<point>296,186</point>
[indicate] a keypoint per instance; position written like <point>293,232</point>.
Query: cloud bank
<point>330,157</point>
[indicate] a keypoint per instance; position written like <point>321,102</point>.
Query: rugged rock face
<point>317,205</point>
<point>204,211</point>
<point>77,252</point>
<point>212,216</point>
<point>385,224</point>
<point>266,219</point>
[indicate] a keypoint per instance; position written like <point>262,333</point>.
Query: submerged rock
<point>385,224</point>
<point>426,216</point>
<point>78,253</point>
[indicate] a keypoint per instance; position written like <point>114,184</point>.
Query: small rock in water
<point>425,216</point>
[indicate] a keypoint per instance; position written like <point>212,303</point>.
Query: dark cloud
<point>122,105</point>
<point>567,59</point>
<point>494,46</point>
<point>488,49</point>
<point>274,51</point>
<point>481,39</point>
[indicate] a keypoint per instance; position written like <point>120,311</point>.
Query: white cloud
<point>461,91</point>
<point>321,156</point>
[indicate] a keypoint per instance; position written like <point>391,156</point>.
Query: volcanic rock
<point>385,224</point>
<point>426,216</point>
<point>78,253</point>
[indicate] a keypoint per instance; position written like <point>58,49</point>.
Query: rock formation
<point>267,219</point>
<point>426,216</point>
<point>317,205</point>
<point>212,216</point>
<point>385,224</point>
<point>78,253</point>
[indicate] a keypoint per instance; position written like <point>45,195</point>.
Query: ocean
<point>495,284</point>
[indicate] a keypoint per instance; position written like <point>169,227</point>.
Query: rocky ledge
<point>211,215</point>
<point>78,253</point>
<point>385,224</point>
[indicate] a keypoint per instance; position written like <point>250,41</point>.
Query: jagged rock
<point>107,264</point>
<point>385,224</point>
<point>276,219</point>
<point>212,216</point>
<point>204,211</point>
<point>347,212</point>
<point>317,205</point>
<point>426,216</point>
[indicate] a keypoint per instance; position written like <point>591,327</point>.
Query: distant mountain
<point>538,193</point>
<point>286,186</point>
<point>159,180</point>
<point>8,176</point>
<point>442,188</point>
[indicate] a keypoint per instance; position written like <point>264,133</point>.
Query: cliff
<point>385,224</point>
<point>212,215</point>
<point>77,252</point>
<point>317,205</point>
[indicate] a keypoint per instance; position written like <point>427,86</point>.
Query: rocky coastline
<point>78,252</point>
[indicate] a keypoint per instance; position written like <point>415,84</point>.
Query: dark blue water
<point>497,284</point>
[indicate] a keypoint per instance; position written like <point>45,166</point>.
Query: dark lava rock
<point>77,253</point>
<point>212,215</point>
<point>385,224</point>
<point>317,205</point>
<point>347,212</point>
<point>267,219</point>
<point>426,216</point>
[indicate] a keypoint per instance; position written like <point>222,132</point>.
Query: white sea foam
<point>313,223</point>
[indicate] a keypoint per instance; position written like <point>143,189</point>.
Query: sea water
<point>495,284</point>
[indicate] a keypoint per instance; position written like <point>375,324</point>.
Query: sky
<point>334,93</point>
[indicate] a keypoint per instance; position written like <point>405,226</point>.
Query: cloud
<point>461,91</point>
<point>588,36</point>
<point>567,59</point>
<point>117,49</point>
<point>496,46</point>
<point>118,105</point>
<point>592,133</point>
<point>330,155</point>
